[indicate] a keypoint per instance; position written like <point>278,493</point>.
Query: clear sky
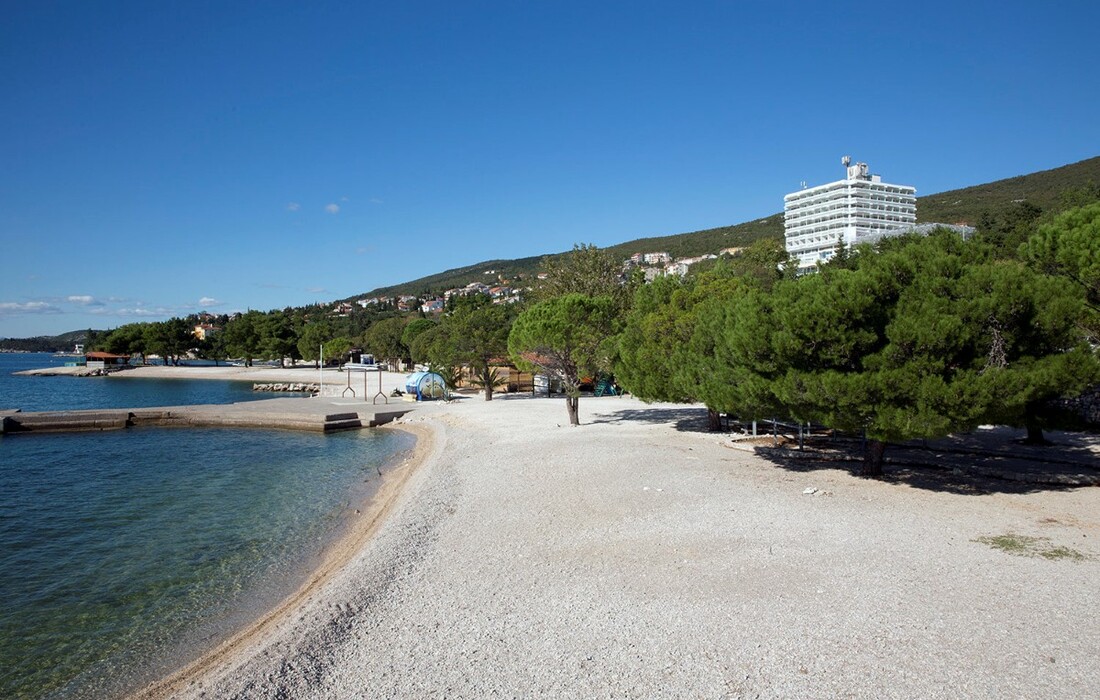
<point>161,158</point>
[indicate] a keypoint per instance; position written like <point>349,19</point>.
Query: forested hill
<point>1049,190</point>
<point>46,343</point>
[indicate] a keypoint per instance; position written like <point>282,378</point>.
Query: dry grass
<point>1027,546</point>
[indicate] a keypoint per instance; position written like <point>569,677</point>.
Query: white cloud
<point>143,312</point>
<point>343,199</point>
<point>209,301</point>
<point>332,208</point>
<point>316,290</point>
<point>83,300</point>
<point>13,308</point>
<point>375,200</point>
<point>293,206</point>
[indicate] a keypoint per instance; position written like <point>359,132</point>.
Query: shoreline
<point>356,536</point>
<point>637,555</point>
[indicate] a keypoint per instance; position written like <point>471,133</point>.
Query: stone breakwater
<point>295,387</point>
<point>74,371</point>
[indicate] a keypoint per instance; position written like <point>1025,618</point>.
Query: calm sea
<point>124,553</point>
<point>64,393</point>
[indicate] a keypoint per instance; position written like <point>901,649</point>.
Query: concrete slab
<point>310,414</point>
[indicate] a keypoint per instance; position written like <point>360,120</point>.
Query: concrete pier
<point>310,414</point>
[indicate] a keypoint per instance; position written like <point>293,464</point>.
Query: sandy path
<point>629,558</point>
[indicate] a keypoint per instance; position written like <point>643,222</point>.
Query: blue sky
<point>165,158</point>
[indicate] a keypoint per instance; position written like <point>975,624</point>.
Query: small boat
<point>358,367</point>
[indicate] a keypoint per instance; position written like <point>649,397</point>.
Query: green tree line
<point>916,337</point>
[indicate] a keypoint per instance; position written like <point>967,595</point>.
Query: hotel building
<point>858,209</point>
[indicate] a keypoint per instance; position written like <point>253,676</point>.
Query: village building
<point>203,331</point>
<point>103,360</point>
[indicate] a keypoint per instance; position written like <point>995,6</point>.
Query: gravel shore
<point>639,556</point>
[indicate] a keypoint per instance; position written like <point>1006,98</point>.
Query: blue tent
<point>426,386</point>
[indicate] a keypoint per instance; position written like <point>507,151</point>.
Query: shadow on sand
<point>988,460</point>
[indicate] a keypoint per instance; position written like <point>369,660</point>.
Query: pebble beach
<point>638,555</point>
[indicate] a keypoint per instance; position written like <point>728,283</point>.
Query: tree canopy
<point>568,339</point>
<point>383,340</point>
<point>919,337</point>
<point>586,270</point>
<point>1070,248</point>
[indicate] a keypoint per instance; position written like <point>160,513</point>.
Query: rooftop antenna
<point>846,161</point>
<point>803,184</point>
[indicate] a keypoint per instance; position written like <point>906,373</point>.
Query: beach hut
<point>426,386</point>
<point>103,360</point>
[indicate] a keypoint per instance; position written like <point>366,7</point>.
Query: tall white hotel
<point>858,209</point>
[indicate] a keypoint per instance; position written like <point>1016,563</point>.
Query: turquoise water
<point>124,553</point>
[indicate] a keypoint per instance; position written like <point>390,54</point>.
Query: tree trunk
<point>872,458</point>
<point>714,420</point>
<point>1034,427</point>
<point>571,405</point>
<point>1035,434</point>
<point>486,377</point>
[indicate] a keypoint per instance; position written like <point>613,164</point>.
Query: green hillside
<point>711,240</point>
<point>488,272</point>
<point>1046,189</point>
<point>679,245</point>
<point>46,343</point>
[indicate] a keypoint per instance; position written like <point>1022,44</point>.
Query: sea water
<point>124,553</point>
<point>60,393</point>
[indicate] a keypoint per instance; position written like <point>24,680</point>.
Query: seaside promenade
<point>640,556</point>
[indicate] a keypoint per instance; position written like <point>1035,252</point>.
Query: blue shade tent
<point>426,386</point>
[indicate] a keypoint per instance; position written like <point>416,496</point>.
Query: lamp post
<point>321,371</point>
